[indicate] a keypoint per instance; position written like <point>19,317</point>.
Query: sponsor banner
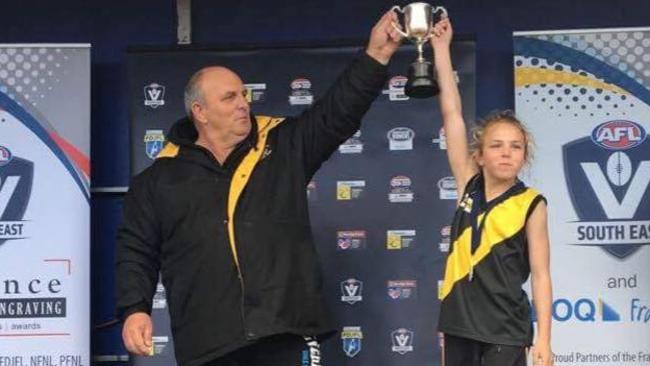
<point>447,188</point>
<point>586,100</point>
<point>395,90</point>
<point>45,204</point>
<point>312,191</point>
<point>400,190</point>
<point>301,92</point>
<point>351,337</point>
<point>347,190</point>
<point>154,95</point>
<point>402,289</point>
<point>441,139</point>
<point>353,145</point>
<point>400,138</point>
<point>445,241</point>
<point>160,297</point>
<point>255,92</point>
<point>400,239</point>
<point>351,291</point>
<point>351,239</point>
<point>154,141</point>
<point>402,339</point>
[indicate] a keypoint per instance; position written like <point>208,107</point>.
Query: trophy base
<point>420,82</point>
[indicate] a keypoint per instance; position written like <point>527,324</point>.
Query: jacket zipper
<point>240,277</point>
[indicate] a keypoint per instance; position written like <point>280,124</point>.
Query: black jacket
<point>233,242</point>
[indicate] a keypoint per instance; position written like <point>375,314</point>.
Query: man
<point>222,215</point>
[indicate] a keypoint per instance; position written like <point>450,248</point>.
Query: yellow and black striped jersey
<point>481,295</point>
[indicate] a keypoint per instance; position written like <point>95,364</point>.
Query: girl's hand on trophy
<point>441,33</point>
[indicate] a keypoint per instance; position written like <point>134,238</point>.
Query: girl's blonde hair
<point>501,116</point>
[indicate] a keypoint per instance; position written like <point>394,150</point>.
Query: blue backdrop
<point>379,207</point>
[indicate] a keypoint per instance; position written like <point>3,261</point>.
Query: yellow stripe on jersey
<point>503,221</point>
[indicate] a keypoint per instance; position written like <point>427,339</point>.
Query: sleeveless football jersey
<point>482,296</point>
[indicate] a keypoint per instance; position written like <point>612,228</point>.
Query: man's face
<point>224,109</point>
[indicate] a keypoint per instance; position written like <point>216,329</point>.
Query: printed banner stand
<point>44,205</point>
<point>585,94</point>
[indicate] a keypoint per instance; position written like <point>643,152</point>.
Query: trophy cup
<point>418,23</point>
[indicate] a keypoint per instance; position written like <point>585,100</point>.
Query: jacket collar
<point>184,133</point>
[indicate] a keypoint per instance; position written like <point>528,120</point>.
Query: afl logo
<point>301,84</point>
<point>5,156</point>
<point>618,135</point>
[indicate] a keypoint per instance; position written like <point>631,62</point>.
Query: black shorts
<point>460,351</point>
<point>278,350</point>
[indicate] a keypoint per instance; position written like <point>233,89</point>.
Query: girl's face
<point>503,151</point>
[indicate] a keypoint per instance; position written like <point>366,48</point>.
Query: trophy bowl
<point>418,23</point>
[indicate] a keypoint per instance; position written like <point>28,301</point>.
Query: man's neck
<point>220,149</point>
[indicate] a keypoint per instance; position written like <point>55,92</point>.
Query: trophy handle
<point>441,9</point>
<point>434,11</point>
<point>399,10</point>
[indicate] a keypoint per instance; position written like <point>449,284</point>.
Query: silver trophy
<point>418,24</point>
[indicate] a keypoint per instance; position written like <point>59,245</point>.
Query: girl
<point>499,238</point>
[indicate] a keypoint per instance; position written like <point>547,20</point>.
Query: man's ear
<point>197,112</point>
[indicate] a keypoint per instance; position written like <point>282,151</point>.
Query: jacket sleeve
<point>337,115</point>
<point>137,251</point>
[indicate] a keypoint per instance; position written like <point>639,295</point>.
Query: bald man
<point>222,216</point>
